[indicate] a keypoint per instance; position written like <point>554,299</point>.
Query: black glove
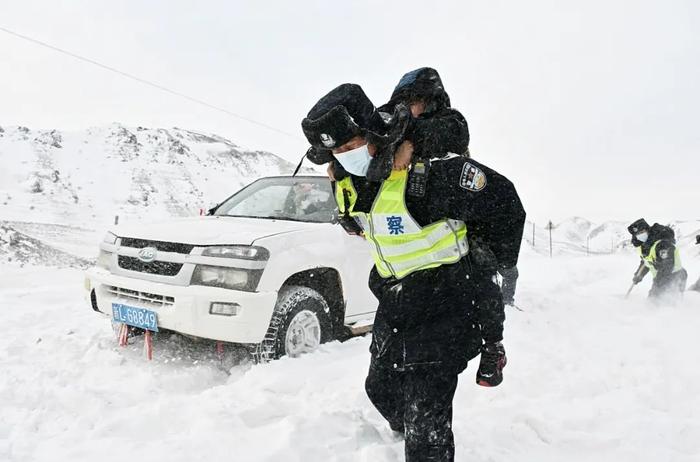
<point>493,360</point>
<point>339,173</point>
<point>383,160</point>
<point>637,278</point>
<point>482,256</point>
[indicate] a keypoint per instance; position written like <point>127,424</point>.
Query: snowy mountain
<point>88,177</point>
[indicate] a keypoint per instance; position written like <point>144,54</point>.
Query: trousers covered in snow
<point>417,402</point>
<point>668,288</point>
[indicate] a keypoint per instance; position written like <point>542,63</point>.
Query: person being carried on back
<point>435,130</point>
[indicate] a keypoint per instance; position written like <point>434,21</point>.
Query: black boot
<point>493,360</point>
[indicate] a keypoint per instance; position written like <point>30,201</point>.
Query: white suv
<point>269,268</point>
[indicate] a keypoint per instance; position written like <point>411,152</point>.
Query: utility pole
<point>549,227</point>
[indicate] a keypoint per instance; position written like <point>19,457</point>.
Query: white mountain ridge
<point>87,177</point>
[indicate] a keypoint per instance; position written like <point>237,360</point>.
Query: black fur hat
<point>342,114</point>
<point>346,112</point>
<point>638,226</point>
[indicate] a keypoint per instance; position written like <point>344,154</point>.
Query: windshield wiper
<point>270,218</point>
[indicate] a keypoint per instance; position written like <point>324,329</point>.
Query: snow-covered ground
<point>591,376</point>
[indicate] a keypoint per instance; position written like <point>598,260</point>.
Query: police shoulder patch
<point>472,178</point>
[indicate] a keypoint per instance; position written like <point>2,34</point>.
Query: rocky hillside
<point>87,177</point>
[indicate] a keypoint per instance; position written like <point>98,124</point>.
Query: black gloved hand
<point>493,360</point>
<point>339,173</point>
<point>637,278</point>
<point>482,256</point>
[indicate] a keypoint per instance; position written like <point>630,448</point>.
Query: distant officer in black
<point>696,286</point>
<point>659,256</point>
<point>439,304</point>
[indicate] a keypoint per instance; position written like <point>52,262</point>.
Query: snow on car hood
<point>210,230</point>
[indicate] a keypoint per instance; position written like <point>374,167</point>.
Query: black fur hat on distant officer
<point>638,226</point>
<point>346,112</point>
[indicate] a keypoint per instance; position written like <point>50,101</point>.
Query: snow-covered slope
<point>87,177</point>
<point>590,377</point>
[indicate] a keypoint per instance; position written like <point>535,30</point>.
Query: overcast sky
<point>591,108</point>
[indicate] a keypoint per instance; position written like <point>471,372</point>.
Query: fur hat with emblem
<point>346,112</point>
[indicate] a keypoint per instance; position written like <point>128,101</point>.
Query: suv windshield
<point>283,198</point>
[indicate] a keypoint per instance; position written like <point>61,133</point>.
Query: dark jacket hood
<point>424,83</point>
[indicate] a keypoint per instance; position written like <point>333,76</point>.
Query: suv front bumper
<point>185,309</point>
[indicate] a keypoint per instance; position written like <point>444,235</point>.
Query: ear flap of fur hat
<point>319,156</point>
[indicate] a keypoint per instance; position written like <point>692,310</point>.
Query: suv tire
<point>300,322</point>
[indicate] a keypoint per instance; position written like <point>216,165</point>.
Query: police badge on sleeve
<point>472,178</point>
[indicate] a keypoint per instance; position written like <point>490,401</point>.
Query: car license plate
<point>137,317</point>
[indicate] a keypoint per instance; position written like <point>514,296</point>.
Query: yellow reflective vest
<point>399,245</point>
<point>651,258</point>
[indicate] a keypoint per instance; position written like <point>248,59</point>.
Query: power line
<point>147,82</point>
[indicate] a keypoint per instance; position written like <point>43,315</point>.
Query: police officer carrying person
<point>659,256</point>
<point>435,130</point>
<point>437,233</point>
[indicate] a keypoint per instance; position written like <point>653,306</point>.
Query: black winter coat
<point>440,315</point>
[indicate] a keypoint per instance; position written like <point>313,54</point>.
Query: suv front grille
<point>141,297</point>
<point>162,268</point>
<point>160,245</point>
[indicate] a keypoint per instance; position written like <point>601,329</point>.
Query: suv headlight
<point>227,278</point>
<point>246,252</point>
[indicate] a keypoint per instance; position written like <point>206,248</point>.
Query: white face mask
<point>642,237</point>
<point>355,161</point>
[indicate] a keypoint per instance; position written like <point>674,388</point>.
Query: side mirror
<point>212,209</point>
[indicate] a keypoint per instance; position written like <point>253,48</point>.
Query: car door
<point>357,263</point>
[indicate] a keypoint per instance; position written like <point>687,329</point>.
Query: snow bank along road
<point>590,376</point>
